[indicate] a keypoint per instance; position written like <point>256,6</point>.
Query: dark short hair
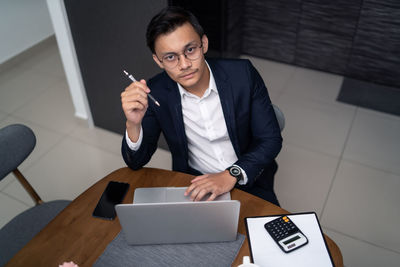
<point>167,20</point>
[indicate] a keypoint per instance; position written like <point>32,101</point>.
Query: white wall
<point>69,59</point>
<point>23,23</point>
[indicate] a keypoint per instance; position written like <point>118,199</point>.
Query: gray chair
<point>280,117</point>
<point>16,143</point>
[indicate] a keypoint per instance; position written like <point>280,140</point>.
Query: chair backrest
<point>280,117</point>
<point>16,143</point>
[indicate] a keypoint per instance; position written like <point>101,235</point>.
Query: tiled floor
<point>337,160</point>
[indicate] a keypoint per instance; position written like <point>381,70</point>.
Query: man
<point>216,115</point>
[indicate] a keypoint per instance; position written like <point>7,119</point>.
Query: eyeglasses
<point>191,52</point>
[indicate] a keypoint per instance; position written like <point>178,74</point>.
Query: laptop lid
<point>179,222</point>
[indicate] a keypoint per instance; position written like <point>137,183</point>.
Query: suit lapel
<point>225,92</point>
<point>175,108</point>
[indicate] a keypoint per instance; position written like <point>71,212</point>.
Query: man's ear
<point>204,40</point>
<point>155,58</point>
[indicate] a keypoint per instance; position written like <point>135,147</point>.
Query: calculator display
<point>291,240</point>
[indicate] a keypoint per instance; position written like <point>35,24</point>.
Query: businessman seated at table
<point>215,114</point>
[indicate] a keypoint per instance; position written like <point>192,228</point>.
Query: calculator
<point>286,234</point>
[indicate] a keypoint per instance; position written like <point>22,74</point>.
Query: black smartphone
<point>112,195</point>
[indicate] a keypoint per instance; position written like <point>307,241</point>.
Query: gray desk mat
<point>119,253</point>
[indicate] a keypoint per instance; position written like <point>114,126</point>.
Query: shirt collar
<point>212,86</point>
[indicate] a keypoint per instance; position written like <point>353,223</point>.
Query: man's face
<point>189,73</point>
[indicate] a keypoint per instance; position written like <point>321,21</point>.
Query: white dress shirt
<point>209,145</point>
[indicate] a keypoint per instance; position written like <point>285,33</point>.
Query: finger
<point>193,185</point>
<point>134,107</point>
<point>212,197</point>
<point>133,99</point>
<point>194,191</point>
<point>133,95</point>
<point>143,85</point>
<point>189,189</point>
<point>131,106</point>
<point>199,185</point>
<point>143,82</point>
<point>131,86</point>
<point>133,91</point>
<point>206,182</point>
<point>200,195</point>
<point>196,195</point>
<point>201,190</point>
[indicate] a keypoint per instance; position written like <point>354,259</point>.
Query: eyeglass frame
<point>179,54</point>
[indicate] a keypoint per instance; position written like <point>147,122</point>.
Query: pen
<point>134,80</point>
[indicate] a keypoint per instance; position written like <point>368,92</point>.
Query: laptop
<point>163,215</point>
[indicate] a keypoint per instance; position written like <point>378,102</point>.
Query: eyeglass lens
<point>192,52</point>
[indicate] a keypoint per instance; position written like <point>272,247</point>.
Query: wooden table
<point>75,235</point>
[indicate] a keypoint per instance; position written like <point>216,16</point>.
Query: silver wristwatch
<point>236,172</point>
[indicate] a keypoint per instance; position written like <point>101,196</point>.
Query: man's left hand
<point>216,184</point>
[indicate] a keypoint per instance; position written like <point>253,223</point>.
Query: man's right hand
<point>134,104</point>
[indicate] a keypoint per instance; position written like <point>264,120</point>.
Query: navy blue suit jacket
<point>249,115</point>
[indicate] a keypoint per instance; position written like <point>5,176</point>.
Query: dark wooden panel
<point>374,70</point>
<point>338,17</point>
<point>376,48</point>
<point>109,36</point>
<point>323,50</point>
<point>270,43</point>
<point>233,27</point>
<point>325,34</point>
<point>270,29</point>
<point>283,13</point>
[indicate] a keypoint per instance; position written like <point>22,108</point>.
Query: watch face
<point>235,171</point>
